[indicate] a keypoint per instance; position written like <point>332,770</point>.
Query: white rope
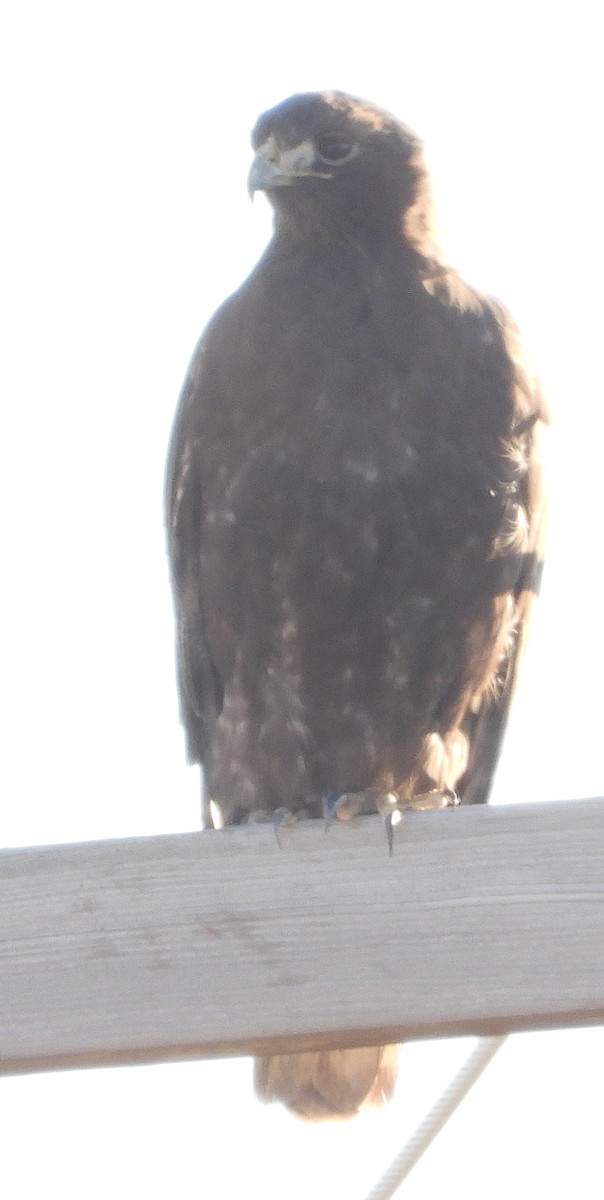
<point>436,1119</point>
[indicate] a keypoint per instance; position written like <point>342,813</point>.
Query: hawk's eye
<point>335,150</point>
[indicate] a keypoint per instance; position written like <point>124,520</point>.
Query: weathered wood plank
<point>484,920</point>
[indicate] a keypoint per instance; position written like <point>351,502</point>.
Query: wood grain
<point>143,950</point>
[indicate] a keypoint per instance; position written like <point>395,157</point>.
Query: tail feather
<point>328,1084</point>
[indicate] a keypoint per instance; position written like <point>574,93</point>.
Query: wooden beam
<point>483,921</point>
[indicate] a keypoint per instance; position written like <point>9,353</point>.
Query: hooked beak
<point>274,167</point>
<point>265,175</point>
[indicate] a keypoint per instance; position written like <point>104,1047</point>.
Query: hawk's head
<point>326,159</point>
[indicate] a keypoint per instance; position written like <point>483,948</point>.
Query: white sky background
<point>125,152</point>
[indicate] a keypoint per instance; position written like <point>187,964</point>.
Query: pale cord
<point>437,1118</point>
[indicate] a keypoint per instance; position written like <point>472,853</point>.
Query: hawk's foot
<point>347,805</point>
<point>392,806</point>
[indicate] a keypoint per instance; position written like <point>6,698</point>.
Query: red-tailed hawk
<point>354,512</point>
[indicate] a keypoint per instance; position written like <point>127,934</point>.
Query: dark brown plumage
<point>354,512</point>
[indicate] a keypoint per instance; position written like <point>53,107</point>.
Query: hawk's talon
<point>392,818</point>
<point>282,818</point>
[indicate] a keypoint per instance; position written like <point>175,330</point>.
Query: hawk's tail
<point>328,1084</point>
